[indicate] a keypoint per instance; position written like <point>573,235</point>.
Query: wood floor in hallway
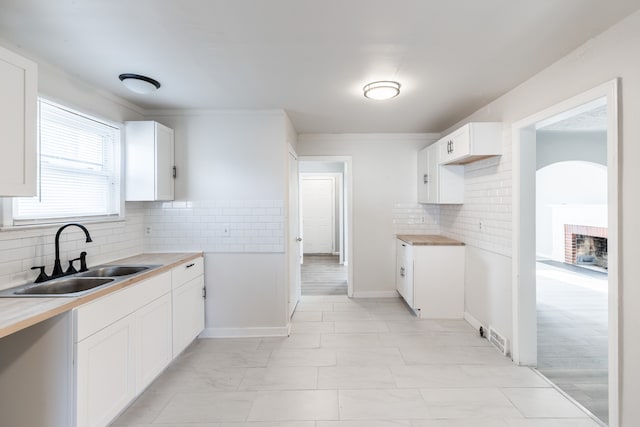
<point>323,275</point>
<point>352,363</point>
<point>572,334</point>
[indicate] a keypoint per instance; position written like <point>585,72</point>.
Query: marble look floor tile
<point>267,424</point>
<point>563,422</point>
<point>454,355</point>
<point>295,405</point>
<point>227,344</point>
<point>468,403</point>
<point>285,378</point>
<point>360,326</point>
<point>413,325</point>
<point>465,376</point>
<point>303,357</point>
<point>349,306</point>
<point>198,378</point>
<point>467,422</point>
<point>312,327</point>
<point>307,316</point>
<point>368,423</point>
<point>331,316</point>
<point>314,306</point>
<point>542,403</point>
<point>407,339</point>
<point>369,357</point>
<point>295,341</point>
<point>144,409</point>
<point>353,377</point>
<point>382,404</point>
<point>230,359</point>
<point>349,340</point>
<point>207,407</point>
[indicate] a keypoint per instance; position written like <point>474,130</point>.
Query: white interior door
<point>318,198</point>
<point>295,240</point>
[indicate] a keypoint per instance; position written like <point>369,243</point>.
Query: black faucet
<point>57,268</point>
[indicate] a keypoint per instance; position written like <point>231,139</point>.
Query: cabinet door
<point>18,106</point>
<point>188,313</point>
<point>105,381</point>
<point>154,337</point>
<point>455,145</point>
<point>404,271</point>
<point>423,176</point>
<point>433,157</point>
<point>164,163</point>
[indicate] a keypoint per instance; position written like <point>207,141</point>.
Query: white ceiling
<point>311,57</point>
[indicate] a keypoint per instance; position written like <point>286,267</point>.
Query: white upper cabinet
<point>472,142</point>
<point>149,170</point>
<point>18,112</point>
<point>438,183</point>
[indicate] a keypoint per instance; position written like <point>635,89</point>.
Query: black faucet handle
<point>42,276</point>
<point>71,269</point>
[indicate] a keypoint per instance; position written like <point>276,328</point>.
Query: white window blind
<point>78,167</point>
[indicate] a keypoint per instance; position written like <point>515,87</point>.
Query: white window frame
<point>8,220</point>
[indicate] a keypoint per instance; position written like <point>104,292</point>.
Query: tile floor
<point>323,275</point>
<point>352,363</point>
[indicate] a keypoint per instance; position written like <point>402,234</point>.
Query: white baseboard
<point>475,322</point>
<point>244,332</point>
<point>376,294</point>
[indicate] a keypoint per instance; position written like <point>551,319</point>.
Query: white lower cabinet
<point>433,280</point>
<point>124,340</point>
<point>154,344</point>
<point>105,373</point>
<point>188,313</point>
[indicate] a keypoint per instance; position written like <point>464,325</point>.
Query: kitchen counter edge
<point>428,240</point>
<point>18,313</point>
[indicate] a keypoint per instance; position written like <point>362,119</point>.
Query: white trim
<point>279,331</point>
<point>376,294</point>
<point>367,137</point>
<point>523,234</point>
<point>474,322</point>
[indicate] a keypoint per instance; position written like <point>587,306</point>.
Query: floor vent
<point>498,341</point>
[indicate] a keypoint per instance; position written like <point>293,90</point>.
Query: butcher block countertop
<point>428,240</point>
<point>21,312</point>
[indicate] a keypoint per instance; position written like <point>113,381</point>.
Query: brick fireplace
<point>585,245</point>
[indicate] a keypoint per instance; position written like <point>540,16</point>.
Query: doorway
<point>324,221</point>
<point>565,238</point>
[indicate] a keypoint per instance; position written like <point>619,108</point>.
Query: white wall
<point>384,190</point>
<point>20,249</point>
<point>559,146</point>
<point>568,192</point>
<point>612,54</point>
<point>232,171</point>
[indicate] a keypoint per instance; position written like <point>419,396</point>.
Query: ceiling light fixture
<point>139,84</point>
<point>381,90</point>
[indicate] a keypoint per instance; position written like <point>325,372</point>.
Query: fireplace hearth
<point>585,245</point>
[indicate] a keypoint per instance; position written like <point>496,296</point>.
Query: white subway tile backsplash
<point>253,226</point>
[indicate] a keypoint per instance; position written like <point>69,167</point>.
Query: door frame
<point>293,262</point>
<point>524,349</point>
<point>347,202</point>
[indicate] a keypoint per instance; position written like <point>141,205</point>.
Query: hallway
<point>323,275</point>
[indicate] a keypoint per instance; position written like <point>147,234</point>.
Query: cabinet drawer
<point>186,272</point>
<point>96,315</point>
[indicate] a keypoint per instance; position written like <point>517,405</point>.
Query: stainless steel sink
<point>65,285</point>
<point>77,284</point>
<point>115,271</point>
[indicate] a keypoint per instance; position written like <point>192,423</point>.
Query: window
<point>78,170</point>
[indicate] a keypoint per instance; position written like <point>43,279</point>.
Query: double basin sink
<point>79,283</point>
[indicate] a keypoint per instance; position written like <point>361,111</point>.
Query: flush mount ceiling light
<point>139,84</point>
<point>381,90</point>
